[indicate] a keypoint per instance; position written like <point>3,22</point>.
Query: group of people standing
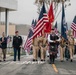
<point>16,44</point>
<point>39,43</point>
<point>54,42</point>
<point>67,47</point>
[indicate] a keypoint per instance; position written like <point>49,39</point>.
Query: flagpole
<point>54,15</point>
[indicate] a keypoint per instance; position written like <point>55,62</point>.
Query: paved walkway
<point>27,67</point>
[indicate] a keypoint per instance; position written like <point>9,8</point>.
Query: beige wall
<point>23,29</point>
<point>11,29</point>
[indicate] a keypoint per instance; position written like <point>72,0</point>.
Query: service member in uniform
<point>71,46</point>
<point>17,44</point>
<point>62,48</point>
<point>53,40</point>
<point>35,46</point>
<point>43,44</point>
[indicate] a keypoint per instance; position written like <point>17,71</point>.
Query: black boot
<point>71,60</point>
<point>53,58</point>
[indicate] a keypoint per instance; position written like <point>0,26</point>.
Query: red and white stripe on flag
<point>27,44</point>
<point>40,26</point>
<point>73,26</point>
<point>74,33</point>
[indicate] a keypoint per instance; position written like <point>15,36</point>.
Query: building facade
<point>22,28</point>
<point>6,6</point>
<point>12,28</point>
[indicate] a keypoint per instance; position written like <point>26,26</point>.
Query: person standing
<point>35,47</point>
<point>62,48</point>
<point>71,46</point>
<point>74,45</point>
<point>43,44</point>
<point>17,43</point>
<point>4,45</point>
<point>53,40</point>
<point>0,51</point>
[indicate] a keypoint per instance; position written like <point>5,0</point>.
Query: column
<point>6,22</point>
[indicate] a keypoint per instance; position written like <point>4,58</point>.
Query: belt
<point>43,45</point>
<point>35,45</point>
<point>62,45</point>
<point>52,47</point>
<point>71,44</point>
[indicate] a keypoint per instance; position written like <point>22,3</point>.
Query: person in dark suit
<point>17,43</point>
<point>0,51</point>
<point>4,45</point>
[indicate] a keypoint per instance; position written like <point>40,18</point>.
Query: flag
<point>8,39</point>
<point>73,26</point>
<point>50,19</point>
<point>29,38</point>
<point>66,29</point>
<point>66,26</point>
<point>56,31</point>
<point>43,18</point>
<point>35,23</point>
<point>32,26</point>
<point>51,14</point>
<point>63,24</point>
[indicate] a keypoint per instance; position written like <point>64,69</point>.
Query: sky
<point>27,11</point>
<point>70,12</point>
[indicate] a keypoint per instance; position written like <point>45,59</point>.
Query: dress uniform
<point>35,48</point>
<point>62,48</point>
<point>71,46</point>
<point>43,46</point>
<point>17,43</point>
<point>53,41</point>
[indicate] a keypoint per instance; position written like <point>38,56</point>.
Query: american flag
<point>32,26</point>
<point>35,22</point>
<point>73,26</point>
<point>8,39</point>
<point>43,18</point>
<point>29,38</point>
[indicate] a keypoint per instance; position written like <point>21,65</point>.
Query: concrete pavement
<point>27,67</point>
